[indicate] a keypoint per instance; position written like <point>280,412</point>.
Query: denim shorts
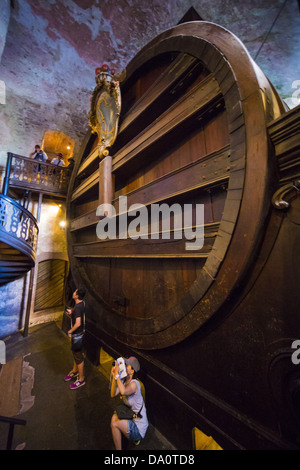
<point>132,431</point>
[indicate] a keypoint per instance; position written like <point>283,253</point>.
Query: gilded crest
<point>105,108</point>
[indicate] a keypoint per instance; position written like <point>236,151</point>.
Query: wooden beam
<point>49,191</point>
<point>199,99</point>
<point>86,163</point>
<point>201,174</point>
<point>86,185</point>
<point>106,181</point>
<point>146,248</point>
<point>172,75</point>
<point>284,133</point>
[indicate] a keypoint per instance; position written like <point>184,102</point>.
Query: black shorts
<point>78,356</point>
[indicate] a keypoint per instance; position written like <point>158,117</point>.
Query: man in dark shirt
<point>77,318</point>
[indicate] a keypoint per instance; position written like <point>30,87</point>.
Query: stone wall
<point>4,21</point>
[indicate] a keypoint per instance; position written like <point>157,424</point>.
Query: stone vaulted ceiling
<point>50,48</point>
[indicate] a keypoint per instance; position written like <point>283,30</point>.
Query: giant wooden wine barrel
<point>192,130</point>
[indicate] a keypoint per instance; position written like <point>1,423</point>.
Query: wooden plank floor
<point>10,385</point>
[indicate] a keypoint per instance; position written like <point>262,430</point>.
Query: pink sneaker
<point>71,375</point>
<point>77,384</point>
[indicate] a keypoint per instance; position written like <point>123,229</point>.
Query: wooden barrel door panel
<point>192,131</point>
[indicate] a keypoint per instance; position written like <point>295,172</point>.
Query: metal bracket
<point>283,197</point>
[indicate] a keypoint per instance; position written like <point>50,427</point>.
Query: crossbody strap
<point>83,316</point>
<point>138,415</point>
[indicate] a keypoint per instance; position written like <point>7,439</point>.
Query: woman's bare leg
<point>118,427</point>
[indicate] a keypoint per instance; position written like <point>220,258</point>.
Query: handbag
<point>77,341</point>
<point>124,412</point>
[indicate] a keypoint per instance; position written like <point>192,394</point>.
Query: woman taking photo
<point>130,389</point>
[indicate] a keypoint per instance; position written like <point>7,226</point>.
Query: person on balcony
<point>59,161</point>
<point>38,154</point>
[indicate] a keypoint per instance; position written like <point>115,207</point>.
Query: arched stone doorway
<point>57,142</point>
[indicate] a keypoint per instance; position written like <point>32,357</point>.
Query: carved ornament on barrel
<point>104,119</point>
<point>105,108</point>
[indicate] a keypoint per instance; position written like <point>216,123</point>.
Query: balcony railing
<point>18,227</point>
<point>32,175</point>
<point>11,422</point>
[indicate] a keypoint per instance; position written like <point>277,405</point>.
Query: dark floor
<point>61,418</point>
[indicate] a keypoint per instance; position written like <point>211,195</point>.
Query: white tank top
<point>136,402</point>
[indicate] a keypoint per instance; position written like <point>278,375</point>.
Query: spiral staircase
<point>18,236</point>
<point>18,226</point>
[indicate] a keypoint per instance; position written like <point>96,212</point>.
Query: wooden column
<point>33,277</point>
<point>106,181</point>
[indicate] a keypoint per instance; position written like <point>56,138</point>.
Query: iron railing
<point>18,227</point>
<point>32,175</point>
<point>12,422</point>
